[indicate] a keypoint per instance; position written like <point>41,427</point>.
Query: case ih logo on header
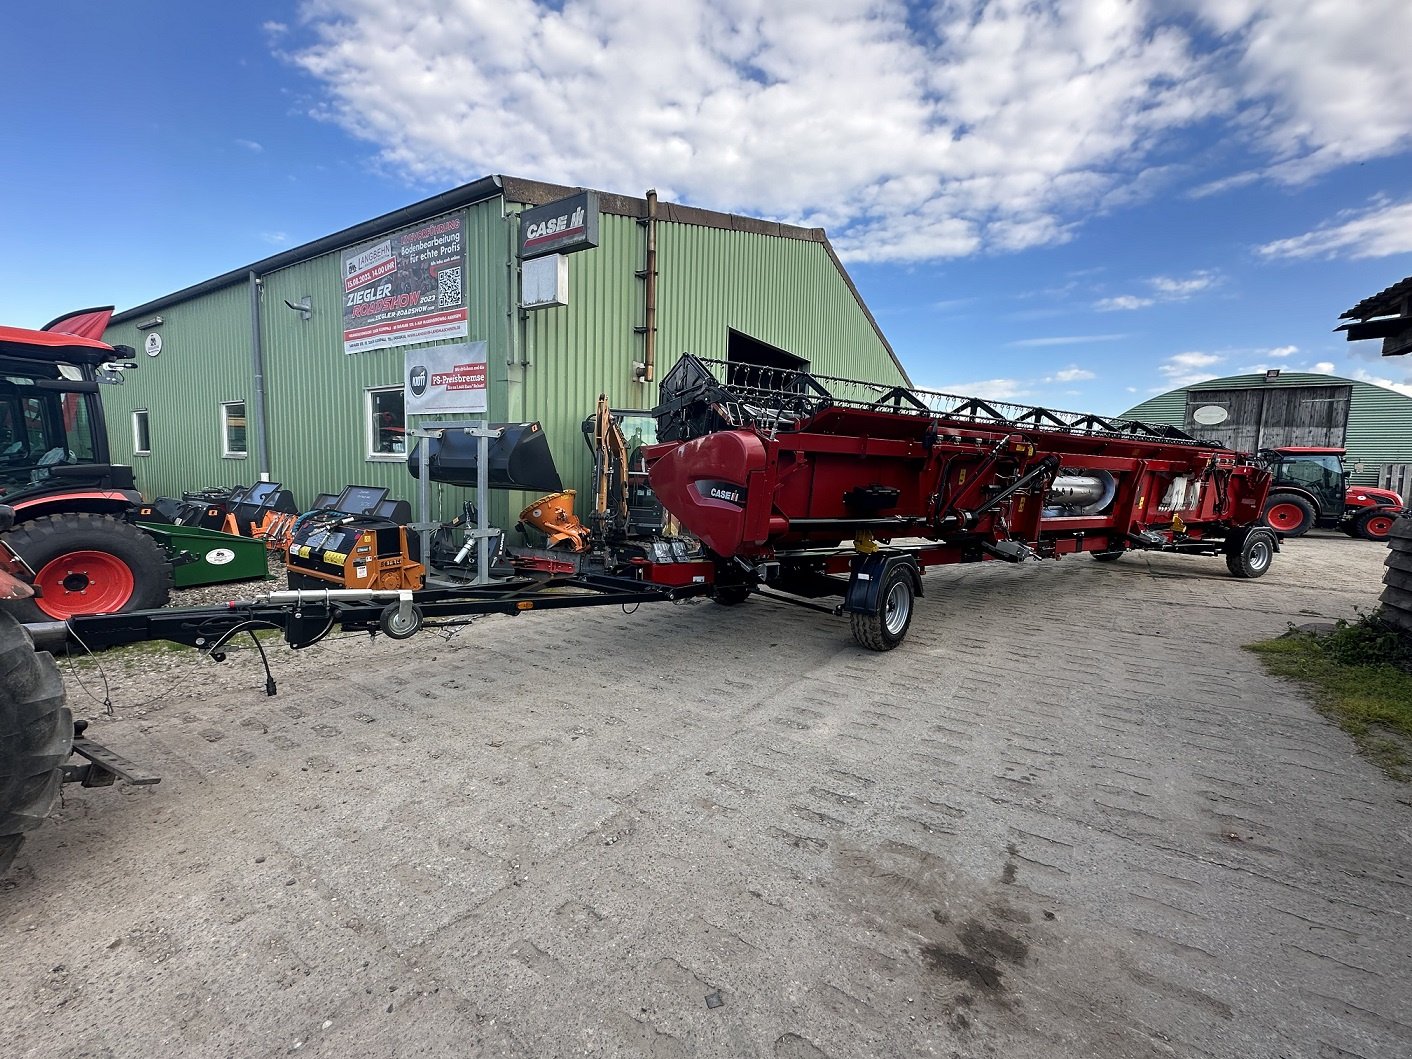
<point>561,227</point>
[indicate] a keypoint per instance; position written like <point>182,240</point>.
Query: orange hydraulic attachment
<point>554,516</point>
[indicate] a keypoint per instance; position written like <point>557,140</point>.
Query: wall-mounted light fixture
<point>304,307</point>
<point>1271,374</point>
<point>150,323</point>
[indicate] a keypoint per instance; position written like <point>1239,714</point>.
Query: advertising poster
<point>407,287</point>
<point>449,378</point>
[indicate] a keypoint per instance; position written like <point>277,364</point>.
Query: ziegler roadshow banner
<point>405,288</point>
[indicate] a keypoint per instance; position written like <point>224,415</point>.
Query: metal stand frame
<point>481,534</point>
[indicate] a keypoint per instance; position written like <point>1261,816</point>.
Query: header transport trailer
<point>797,487</point>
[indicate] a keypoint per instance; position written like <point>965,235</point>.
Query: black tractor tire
<point>36,735</point>
<point>1375,524</point>
<point>1109,556</point>
<point>885,627</point>
<point>1293,516</point>
<point>1250,555</point>
<point>123,550</point>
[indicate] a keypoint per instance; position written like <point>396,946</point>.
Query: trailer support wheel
<point>885,625</point>
<point>398,626</point>
<point>1249,555</point>
<point>36,734</point>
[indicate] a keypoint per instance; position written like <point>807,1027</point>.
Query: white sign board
<point>449,378</point>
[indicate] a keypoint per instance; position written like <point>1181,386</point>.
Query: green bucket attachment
<point>209,557</point>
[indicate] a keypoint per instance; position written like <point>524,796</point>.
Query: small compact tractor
<point>1310,488</point>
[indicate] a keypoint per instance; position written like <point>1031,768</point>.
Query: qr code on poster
<point>448,287</point>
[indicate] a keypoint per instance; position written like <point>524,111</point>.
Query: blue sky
<point>1081,204</point>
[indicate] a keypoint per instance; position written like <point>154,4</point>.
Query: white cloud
<point>986,389</point>
<point>1282,351</point>
<point>1405,386</point>
<point>1325,83</point>
<point>1164,289</point>
<point>275,238</point>
<point>910,132</point>
<point>1072,374</point>
<point>1065,340</point>
<point>1324,367</point>
<point>1186,369</point>
<point>1121,303</point>
<point>1380,231</point>
<point>1177,288</point>
<point>250,145</point>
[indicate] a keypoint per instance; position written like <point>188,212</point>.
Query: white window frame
<point>226,454</point>
<point>370,452</point>
<point>137,449</point>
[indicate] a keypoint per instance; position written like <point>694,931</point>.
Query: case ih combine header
<point>797,487</point>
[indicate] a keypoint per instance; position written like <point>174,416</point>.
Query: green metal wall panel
<point>1379,419</point>
<point>547,364</point>
<point>205,360</point>
<point>786,292</point>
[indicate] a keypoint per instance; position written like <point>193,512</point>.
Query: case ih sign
<point>560,227</point>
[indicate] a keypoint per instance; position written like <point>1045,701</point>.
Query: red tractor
<point>71,539</point>
<point>1310,488</point>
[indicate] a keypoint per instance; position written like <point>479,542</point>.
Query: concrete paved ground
<point>1069,817</point>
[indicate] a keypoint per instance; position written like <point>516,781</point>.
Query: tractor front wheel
<point>36,734</point>
<point>1375,524</point>
<point>1289,514</point>
<point>89,564</point>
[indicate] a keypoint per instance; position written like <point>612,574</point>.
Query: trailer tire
<point>89,564</point>
<point>36,735</point>
<point>730,595</point>
<point>886,627</point>
<point>1250,556</point>
<point>1109,556</point>
<point>1289,514</point>
<point>1375,524</point>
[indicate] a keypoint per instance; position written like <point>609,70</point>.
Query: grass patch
<point>1360,675</point>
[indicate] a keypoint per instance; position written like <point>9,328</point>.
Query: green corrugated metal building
<point>266,342</point>
<point>1298,408</point>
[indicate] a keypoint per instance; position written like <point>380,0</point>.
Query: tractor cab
<point>52,436</point>
<point>1310,488</point>
<point>1316,471</point>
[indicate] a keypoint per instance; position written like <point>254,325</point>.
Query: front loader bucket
<point>519,459</point>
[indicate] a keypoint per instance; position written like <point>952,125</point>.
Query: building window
<point>386,416</point>
<point>141,434</point>
<point>233,429</point>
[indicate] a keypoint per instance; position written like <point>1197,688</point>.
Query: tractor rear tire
<point>36,735</point>
<point>1289,514</point>
<point>886,627</point>
<point>89,564</point>
<point>1250,556</point>
<point>1375,524</point>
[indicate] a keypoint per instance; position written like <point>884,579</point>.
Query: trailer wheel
<point>36,734</point>
<point>1109,556</point>
<point>89,564</point>
<point>1251,556</point>
<point>730,595</point>
<point>1375,524</point>
<point>391,622</point>
<point>886,627</point>
<point>1289,514</point>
